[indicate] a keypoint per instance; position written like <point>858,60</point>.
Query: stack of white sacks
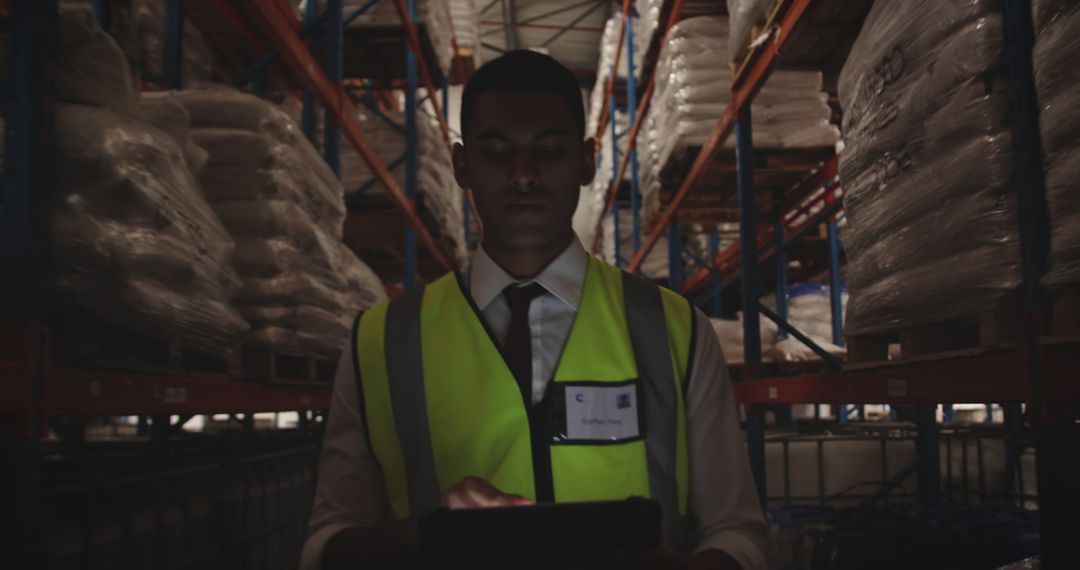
<point>437,191</point>
<point>465,16</point>
<point>1057,77</point>
<point>809,311</point>
<point>134,242</point>
<point>608,47</point>
<point>301,286</point>
<point>692,92</point>
<point>434,15</point>
<point>931,218</point>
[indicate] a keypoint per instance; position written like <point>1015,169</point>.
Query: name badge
<point>602,412</point>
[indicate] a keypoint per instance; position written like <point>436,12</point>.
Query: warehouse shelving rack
<point>32,387</point>
<point>1039,373</point>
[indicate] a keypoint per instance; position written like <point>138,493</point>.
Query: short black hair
<point>526,70</point>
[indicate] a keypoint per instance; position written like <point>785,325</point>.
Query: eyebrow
<point>496,135</point>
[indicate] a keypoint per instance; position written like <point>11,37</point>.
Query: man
<point>525,379</point>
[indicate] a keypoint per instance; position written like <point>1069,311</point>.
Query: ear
<point>589,163</point>
<point>461,172</point>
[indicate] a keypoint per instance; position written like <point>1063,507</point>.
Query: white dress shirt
<point>350,490</point>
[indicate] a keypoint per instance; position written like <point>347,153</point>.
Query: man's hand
<point>473,493</point>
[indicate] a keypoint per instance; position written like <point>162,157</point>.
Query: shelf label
<point>174,395</point>
<point>896,387</point>
<point>774,392</point>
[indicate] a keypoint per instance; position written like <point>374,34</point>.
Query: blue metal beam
<point>412,163</point>
<point>614,163</point>
<point>780,261</point>
<point>675,263</point>
<point>334,43</point>
<point>101,11</point>
<point>631,94</point>
<point>714,301</point>
<point>835,286</point>
<point>24,256</point>
<point>174,44</point>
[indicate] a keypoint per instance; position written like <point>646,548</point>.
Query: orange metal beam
<point>413,38</point>
<point>300,60</point>
<point>752,80</point>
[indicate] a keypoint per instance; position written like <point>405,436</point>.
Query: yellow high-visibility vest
<point>441,404</point>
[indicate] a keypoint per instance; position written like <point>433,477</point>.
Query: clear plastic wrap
<point>90,68</point>
<point>791,110</point>
<point>744,16</point>
<point>931,229</point>
<point>166,113</point>
<point>301,287</point>
<point>134,242</point>
<point>1057,77</point>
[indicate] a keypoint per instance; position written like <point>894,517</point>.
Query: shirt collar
<point>564,277</point>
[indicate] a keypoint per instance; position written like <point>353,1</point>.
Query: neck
<point>525,262</point>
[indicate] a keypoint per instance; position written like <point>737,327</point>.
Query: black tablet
<point>556,535</point>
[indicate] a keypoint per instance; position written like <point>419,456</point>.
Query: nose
<point>524,173</point>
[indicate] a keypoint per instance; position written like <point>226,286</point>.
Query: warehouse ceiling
<point>569,30</point>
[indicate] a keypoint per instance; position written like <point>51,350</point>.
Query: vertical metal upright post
<point>412,163</point>
<point>1056,433</point>
<point>780,259</point>
<point>333,44</point>
<point>715,300</point>
<point>101,11</point>
<point>631,106</point>
<point>835,286</point>
<point>174,44</point>
<point>755,415</point>
<point>307,114</point>
<point>24,254</point>
<point>927,450</point>
<point>675,262</point>
<point>614,167</point>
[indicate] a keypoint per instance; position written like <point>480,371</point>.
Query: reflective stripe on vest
<point>452,408</point>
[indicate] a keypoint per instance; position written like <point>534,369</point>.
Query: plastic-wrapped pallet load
<point>692,91</point>
<point>138,26</point>
<point>931,230</point>
<point>301,287</point>
<point>608,48</point>
<point>1057,77</point>
<point>438,192</point>
<point>434,15</point>
<point>465,15</point>
<point>134,242</point>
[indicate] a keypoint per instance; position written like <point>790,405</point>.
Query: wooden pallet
<point>83,340</point>
<point>266,365</point>
<point>997,328</point>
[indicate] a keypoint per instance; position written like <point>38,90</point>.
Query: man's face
<point>524,162</point>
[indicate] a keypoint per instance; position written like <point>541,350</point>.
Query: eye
<point>551,149</point>
<point>496,151</point>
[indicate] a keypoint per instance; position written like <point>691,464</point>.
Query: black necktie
<point>518,338</point>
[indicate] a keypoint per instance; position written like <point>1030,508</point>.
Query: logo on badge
<point>622,401</point>
<point>579,397</point>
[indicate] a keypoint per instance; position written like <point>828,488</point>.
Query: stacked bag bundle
<point>135,243</point>
<point>301,287</point>
<point>438,193</point>
<point>138,26</point>
<point>465,15</point>
<point>692,93</point>
<point>931,230</point>
<point>1057,43</point>
<point>809,311</point>
<point>434,15</point>
<point>609,45</point>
